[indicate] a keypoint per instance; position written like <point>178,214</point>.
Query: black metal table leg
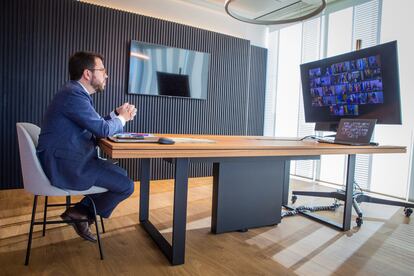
<point>180,211</point>
<point>349,190</point>
<point>144,189</point>
<point>175,252</point>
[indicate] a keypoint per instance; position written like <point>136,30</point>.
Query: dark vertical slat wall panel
<point>4,42</point>
<point>37,38</point>
<point>257,91</point>
<point>30,78</point>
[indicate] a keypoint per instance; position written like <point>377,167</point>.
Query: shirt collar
<point>86,91</point>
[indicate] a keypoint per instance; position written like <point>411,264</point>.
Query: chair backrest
<point>34,178</point>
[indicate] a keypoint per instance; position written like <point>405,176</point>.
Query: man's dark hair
<point>80,61</point>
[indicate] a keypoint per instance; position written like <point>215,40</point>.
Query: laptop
<point>354,132</point>
<point>133,137</point>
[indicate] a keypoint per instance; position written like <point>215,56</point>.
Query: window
<point>332,33</point>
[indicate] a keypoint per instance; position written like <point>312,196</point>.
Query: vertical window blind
<point>366,28</point>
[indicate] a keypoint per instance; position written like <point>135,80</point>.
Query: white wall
<point>394,169</point>
<point>190,14</point>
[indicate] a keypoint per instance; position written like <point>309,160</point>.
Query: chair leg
<point>29,243</point>
<point>67,202</point>
<point>96,227</point>
<point>44,217</point>
<point>102,224</point>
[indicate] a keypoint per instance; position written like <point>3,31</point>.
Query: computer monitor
<point>361,84</point>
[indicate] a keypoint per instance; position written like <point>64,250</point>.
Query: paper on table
<point>191,140</point>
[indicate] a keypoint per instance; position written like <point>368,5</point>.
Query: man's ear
<point>87,74</point>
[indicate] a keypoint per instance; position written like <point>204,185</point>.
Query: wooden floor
<point>384,245</point>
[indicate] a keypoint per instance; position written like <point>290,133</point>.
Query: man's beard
<point>97,86</point>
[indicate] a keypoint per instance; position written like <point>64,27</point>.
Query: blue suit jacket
<point>67,141</point>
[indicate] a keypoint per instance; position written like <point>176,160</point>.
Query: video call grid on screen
<point>345,85</point>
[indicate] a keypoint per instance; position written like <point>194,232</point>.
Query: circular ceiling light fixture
<point>272,12</point>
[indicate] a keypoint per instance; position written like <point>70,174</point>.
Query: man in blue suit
<point>67,142</point>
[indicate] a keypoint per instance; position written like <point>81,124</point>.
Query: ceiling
<point>262,9</point>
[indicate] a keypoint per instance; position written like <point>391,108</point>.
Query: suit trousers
<point>119,186</point>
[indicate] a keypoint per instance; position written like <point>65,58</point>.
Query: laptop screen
<point>355,131</point>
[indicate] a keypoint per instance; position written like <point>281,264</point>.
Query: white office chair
<point>36,182</point>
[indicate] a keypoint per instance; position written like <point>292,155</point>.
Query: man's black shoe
<point>81,228</point>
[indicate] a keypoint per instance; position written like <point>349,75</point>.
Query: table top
<point>235,146</point>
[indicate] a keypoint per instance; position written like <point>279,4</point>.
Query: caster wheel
<point>408,212</point>
<point>359,221</point>
<point>293,199</point>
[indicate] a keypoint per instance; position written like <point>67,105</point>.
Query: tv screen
<point>359,84</point>
<point>167,71</point>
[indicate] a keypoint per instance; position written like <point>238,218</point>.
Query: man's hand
<point>127,111</point>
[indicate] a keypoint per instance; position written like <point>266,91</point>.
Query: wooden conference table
<point>250,179</point>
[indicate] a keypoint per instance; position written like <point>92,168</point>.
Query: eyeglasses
<point>98,69</point>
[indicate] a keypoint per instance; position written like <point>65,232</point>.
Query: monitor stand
<point>328,126</point>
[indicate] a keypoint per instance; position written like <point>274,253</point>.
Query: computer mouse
<point>165,141</point>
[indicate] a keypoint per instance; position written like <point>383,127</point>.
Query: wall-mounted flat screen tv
<point>359,84</point>
<point>166,71</point>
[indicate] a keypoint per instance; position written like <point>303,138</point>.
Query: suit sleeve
<point>79,109</point>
